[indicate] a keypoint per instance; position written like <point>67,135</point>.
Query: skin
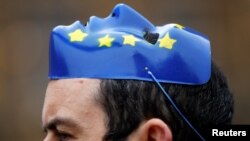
<point>71,112</point>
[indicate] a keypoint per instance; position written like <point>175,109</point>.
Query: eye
<point>151,37</point>
<point>113,14</point>
<point>62,136</point>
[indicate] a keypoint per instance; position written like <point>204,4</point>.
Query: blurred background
<point>25,27</point>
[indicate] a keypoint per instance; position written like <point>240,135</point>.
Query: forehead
<point>71,98</point>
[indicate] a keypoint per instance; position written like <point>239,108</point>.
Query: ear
<point>152,130</point>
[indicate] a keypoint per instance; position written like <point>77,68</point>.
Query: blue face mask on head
<point>125,45</point>
<point>117,47</point>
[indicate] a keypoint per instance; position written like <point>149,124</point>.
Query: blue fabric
<point>114,48</point>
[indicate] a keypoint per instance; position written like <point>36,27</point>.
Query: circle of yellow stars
<point>106,41</point>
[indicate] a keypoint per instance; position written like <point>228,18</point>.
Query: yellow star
<point>105,41</point>
<point>129,40</point>
<point>179,26</point>
<point>77,36</point>
<point>167,42</point>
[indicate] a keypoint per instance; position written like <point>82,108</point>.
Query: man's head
<point>91,109</point>
<point>126,57</point>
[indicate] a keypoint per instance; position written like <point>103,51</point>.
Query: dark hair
<point>128,103</point>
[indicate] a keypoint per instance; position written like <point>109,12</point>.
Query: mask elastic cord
<point>174,105</point>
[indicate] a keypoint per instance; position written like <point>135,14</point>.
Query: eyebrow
<point>60,121</point>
